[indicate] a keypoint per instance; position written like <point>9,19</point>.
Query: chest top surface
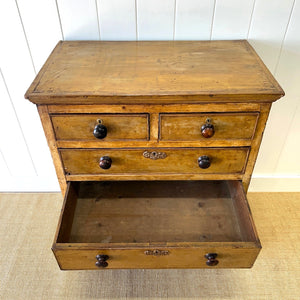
<point>87,72</point>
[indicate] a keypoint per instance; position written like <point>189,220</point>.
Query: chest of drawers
<point>154,144</point>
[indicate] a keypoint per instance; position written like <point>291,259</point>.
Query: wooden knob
<point>211,259</point>
<point>100,131</point>
<point>102,260</point>
<point>207,130</point>
<point>105,162</point>
<point>204,162</point>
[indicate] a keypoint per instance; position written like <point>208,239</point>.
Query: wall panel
<point>30,29</point>
<point>286,163</point>
<point>12,143</point>
<point>42,29</point>
<point>288,73</point>
<point>79,19</point>
<point>3,166</point>
<point>267,33</point>
<point>117,19</point>
<point>232,19</point>
<point>268,27</point>
<point>18,72</point>
<point>155,19</point>
<point>193,19</point>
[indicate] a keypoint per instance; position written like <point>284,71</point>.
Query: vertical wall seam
<point>5,162</point>
<point>136,22</point>
<point>23,28</point>
<point>174,25</point>
<point>275,72</point>
<point>285,139</point>
<point>16,115</point>
<point>251,19</point>
<point>212,20</point>
<point>98,20</point>
<point>283,39</point>
<point>59,19</point>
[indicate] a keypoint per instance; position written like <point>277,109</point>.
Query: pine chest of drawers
<point>154,145</point>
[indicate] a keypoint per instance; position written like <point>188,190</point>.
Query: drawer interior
<point>152,212</point>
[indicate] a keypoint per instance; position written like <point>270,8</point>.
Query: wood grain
<point>132,161</point>
<point>158,108</point>
<point>187,127</point>
<point>153,143</point>
<point>124,219</point>
<point>231,256</point>
<point>244,214</point>
<point>80,127</point>
<point>48,129</point>
<point>154,176</point>
<point>157,69</point>
<point>256,142</point>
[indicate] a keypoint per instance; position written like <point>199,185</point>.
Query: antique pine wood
<point>119,127</point>
<point>141,212</point>
<point>161,71</point>
<point>155,97</point>
<point>114,220</point>
<point>173,127</point>
<point>177,160</point>
<point>171,108</point>
<point>155,176</point>
<point>47,126</point>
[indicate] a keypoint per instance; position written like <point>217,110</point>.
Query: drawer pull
<point>207,130</point>
<point>154,155</point>
<point>156,252</point>
<point>211,259</point>
<point>102,260</point>
<point>100,131</point>
<point>204,162</point>
<point>105,162</point>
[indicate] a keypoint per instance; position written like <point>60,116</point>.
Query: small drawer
<point>100,127</point>
<point>151,161</point>
<point>207,126</point>
<point>155,224</point>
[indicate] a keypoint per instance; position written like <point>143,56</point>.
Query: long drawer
<point>158,160</point>
<point>156,224</point>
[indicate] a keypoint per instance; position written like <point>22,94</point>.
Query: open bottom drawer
<point>155,224</point>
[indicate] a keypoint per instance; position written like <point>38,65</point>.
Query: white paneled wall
<point>190,16</point>
<point>232,16</point>
<point>117,19</point>
<point>79,19</point>
<point>29,29</point>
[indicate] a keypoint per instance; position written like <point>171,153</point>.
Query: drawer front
<point>191,127</point>
<point>78,127</point>
<point>228,257</point>
<point>158,160</point>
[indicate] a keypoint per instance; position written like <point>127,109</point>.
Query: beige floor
<point>28,269</point>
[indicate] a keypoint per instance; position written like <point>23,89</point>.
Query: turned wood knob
<point>207,130</point>
<point>105,162</point>
<point>211,259</point>
<point>204,162</point>
<point>100,131</point>
<point>102,260</point>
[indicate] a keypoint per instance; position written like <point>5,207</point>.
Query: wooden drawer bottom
<point>156,224</point>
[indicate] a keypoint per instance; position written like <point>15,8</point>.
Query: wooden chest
<point>154,145</point>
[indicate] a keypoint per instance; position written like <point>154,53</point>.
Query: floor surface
<point>28,269</point>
